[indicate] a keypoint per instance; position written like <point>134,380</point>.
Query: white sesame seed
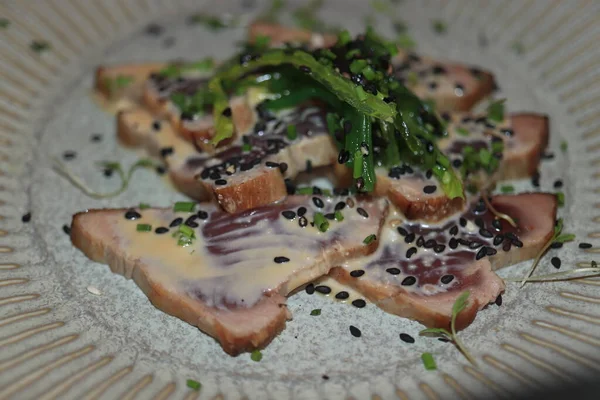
<point>94,290</point>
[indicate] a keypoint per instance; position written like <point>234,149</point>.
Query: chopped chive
<point>370,239</point>
<point>344,37</point>
<point>321,222</point>
<point>184,206</point>
<point>564,145</point>
<point>292,133</point>
<point>560,198</point>
<point>338,216</point>
<point>144,206</point>
<point>186,231</point>
<point>39,46</point>
<point>357,66</point>
<point>495,110</point>
<point>485,157</point>
<point>462,131</point>
<point>358,165</point>
<point>192,384</point>
<point>246,147</point>
<point>143,227</point>
<point>507,188</point>
<point>256,355</point>
<point>184,241</point>
<point>439,26</point>
<point>304,190</point>
<point>428,362</point>
<point>316,311</point>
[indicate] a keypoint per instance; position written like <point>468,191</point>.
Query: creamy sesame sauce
<point>237,258</point>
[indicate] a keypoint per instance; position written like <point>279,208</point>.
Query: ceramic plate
<point>60,340</point>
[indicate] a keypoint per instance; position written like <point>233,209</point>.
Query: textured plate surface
<point>58,339</point>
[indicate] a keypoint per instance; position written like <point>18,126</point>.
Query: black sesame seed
<point>429,244</point>
<point>202,214</point>
<point>343,295</point>
<point>165,151</point>
<point>497,224</point>
<point>176,222</point>
<point>479,222</point>
<point>439,248</point>
<point>161,229</point>
<point>420,241</point>
<point>330,216</point>
<point>402,231</point>
<point>454,230</point>
<point>584,245</point>
<point>556,245</point>
<point>281,259</point>
<point>410,237</point>
<point>456,163</point>
<point>283,167</point>
<point>359,303</point>
<point>355,331</point>
<point>318,202</point>
<point>410,252</point>
<point>558,184</point>
<point>517,243</point>
<point>499,300</point>
<point>305,69</point>
<point>220,182</point>
<point>453,244</point>
<point>362,212</point>
<point>556,262</point>
<point>66,229</point>
<point>343,157</point>
<point>107,172</point>
<point>360,183</point>
<point>156,125</point>
<point>485,233</point>
<point>205,173</point>
<point>433,85</point>
<point>317,190</point>
<point>498,239</point>
<point>446,279</point>
<point>340,206</point>
<point>428,174</point>
<point>302,222</point>
<point>69,155</point>
<point>463,242</point>
<point>535,179</point>
<point>310,288</point>
<point>405,337</point>
<point>132,215</point>
<point>96,137</point>
<point>227,112</point>
<point>301,211</point>
<point>475,245</point>
<point>325,377</point>
<point>288,214</point>
<point>357,273</point>
<point>547,156</point>
<point>214,175</point>
<point>323,289</point>
<point>26,218</point>
<point>191,223</point>
<point>490,251</point>
<point>463,222</point>
<point>409,281</point>
<point>393,271</point>
<point>506,247</point>
<point>272,164</point>
<point>480,207</point>
<point>481,253</point>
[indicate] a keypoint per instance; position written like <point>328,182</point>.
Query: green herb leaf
<point>507,189</point>
<point>316,311</point>
<point>439,26</point>
<point>256,355</point>
<point>560,199</point>
<point>39,46</point>
<point>428,362</point>
<point>435,331</point>
<point>370,239</point>
<point>564,145</point>
<point>339,216</point>
<point>194,385</point>
<point>460,304</point>
<point>495,110</point>
<point>184,206</point>
<point>567,237</point>
<point>292,133</point>
<point>4,23</point>
<point>462,131</point>
<point>143,227</point>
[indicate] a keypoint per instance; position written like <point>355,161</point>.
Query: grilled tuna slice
<point>452,86</point>
<point>418,271</point>
<point>123,85</point>
<point>231,280</point>
<point>417,193</point>
<point>251,171</point>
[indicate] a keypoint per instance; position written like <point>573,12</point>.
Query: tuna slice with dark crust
<point>418,272</point>
<point>231,281</point>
